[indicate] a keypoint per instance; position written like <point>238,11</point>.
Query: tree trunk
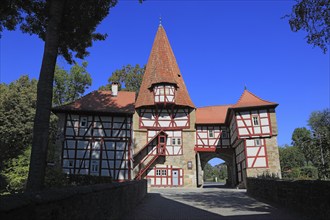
<point>44,99</point>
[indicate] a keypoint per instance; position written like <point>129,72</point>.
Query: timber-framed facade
<point>161,136</point>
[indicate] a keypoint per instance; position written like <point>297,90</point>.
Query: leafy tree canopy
<point>129,77</point>
<point>312,16</point>
<point>17,110</point>
<point>315,143</point>
<point>291,157</point>
<point>70,86</point>
<point>77,29</point>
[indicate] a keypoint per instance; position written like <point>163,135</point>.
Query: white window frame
<point>158,172</point>
<point>211,133</point>
<point>83,122</point>
<point>164,172</point>
<point>95,166</point>
<point>257,120</point>
<point>176,141</point>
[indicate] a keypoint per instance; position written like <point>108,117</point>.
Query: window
<point>255,120</point>
<point>83,121</point>
<point>71,162</point>
<point>211,133</point>
<point>224,134</point>
<point>176,141</point>
<point>158,172</point>
<point>257,142</point>
<point>162,140</point>
<point>95,166</point>
<point>164,172</point>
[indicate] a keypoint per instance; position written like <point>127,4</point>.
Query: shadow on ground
<point>205,205</point>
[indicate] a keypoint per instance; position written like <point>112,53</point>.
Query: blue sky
<point>220,46</point>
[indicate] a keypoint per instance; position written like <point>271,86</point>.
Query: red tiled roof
<point>101,101</point>
<point>218,114</point>
<point>212,114</point>
<point>248,99</point>
<point>162,68</point>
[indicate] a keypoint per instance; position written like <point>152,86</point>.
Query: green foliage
<point>16,171</point>
<point>313,17</point>
<point>219,172</point>
<point>267,175</point>
<point>315,143</point>
<point>291,157</point>
<point>77,30</point>
<point>17,109</point>
<point>70,86</point>
<point>130,77</point>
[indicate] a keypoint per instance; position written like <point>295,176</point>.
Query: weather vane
<point>160,20</point>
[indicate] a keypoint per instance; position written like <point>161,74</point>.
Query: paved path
<point>207,203</point>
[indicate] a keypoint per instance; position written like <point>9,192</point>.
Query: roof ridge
<point>223,105</point>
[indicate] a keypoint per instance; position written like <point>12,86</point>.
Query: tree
<point>17,110</point>
<point>291,157</point>
<point>319,122</point>
<point>128,76</point>
<point>302,139</point>
<point>313,17</point>
<point>69,87</point>
<point>315,143</point>
<point>66,27</point>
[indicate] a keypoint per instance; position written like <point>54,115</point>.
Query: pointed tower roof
<point>248,99</point>
<point>162,68</point>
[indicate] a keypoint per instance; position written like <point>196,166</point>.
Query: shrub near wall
<point>311,198</point>
<point>102,201</point>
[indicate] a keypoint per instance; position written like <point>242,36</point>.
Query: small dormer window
<point>164,93</point>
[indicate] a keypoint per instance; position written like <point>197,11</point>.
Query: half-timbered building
<point>161,136</point>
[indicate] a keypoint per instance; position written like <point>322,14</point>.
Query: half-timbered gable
<point>97,136</point>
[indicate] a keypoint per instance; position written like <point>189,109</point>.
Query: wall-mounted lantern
<point>189,165</point>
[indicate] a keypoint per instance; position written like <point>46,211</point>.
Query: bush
<point>16,172</point>
<point>301,173</point>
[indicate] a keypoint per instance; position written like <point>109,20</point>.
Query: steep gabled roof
<point>162,68</point>
<point>101,101</point>
<point>212,114</point>
<point>248,99</point>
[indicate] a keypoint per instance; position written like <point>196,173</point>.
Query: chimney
<point>114,89</point>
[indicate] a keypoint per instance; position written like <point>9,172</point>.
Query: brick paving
<point>205,203</point>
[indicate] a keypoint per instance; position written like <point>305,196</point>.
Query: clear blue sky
<point>220,46</point>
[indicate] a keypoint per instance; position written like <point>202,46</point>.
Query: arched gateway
<point>162,136</point>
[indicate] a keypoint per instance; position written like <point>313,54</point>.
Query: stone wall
<point>103,201</point>
<point>310,198</point>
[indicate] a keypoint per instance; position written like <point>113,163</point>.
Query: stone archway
<point>227,155</point>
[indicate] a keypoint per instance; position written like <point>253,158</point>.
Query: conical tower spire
<point>162,68</point>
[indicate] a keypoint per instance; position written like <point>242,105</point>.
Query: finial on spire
<point>245,87</point>
<point>160,20</point>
